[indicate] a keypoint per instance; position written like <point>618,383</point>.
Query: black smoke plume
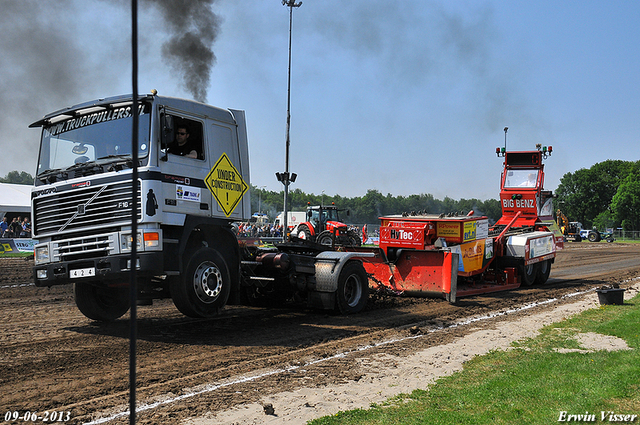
<point>193,28</point>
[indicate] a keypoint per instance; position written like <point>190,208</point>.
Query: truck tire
<point>353,288</point>
<point>325,238</point>
<point>304,232</point>
<point>204,287</point>
<point>528,274</point>
<point>544,268</point>
<point>594,236</point>
<point>101,303</point>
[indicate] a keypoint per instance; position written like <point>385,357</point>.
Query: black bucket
<point>611,296</point>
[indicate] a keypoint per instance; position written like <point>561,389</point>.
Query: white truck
<point>186,250</point>
<point>293,219</point>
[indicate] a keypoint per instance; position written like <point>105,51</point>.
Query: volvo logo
<point>81,209</point>
<point>37,193</point>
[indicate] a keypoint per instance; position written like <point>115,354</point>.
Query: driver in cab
<point>182,145</point>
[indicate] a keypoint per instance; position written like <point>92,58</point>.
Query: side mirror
<point>166,135</point>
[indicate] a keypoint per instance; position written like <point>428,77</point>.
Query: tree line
<point>17,177</point>
<point>368,208</point>
<point>607,195</point>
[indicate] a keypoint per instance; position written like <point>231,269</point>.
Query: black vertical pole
<point>134,215</point>
<point>286,179</point>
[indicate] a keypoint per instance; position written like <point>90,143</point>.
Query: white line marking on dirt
<point>211,388</point>
<point>17,285</point>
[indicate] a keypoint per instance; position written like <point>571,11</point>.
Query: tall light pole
<point>285,177</point>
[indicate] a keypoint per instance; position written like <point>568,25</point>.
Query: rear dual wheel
<point>353,288</point>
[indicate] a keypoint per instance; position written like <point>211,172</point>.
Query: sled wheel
<point>544,268</point>
<point>100,302</point>
<point>204,287</point>
<point>528,274</point>
<point>353,289</point>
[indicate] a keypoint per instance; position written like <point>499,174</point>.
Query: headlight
<point>42,254</point>
<point>151,241</point>
<point>126,242</point>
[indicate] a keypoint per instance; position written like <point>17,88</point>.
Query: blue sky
<point>403,97</point>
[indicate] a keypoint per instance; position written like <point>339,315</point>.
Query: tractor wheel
<point>528,274</point>
<point>205,286</point>
<point>577,237</point>
<point>325,238</point>
<point>354,239</point>
<point>304,232</point>
<point>594,236</point>
<point>544,268</point>
<point>353,288</point>
<point>101,303</point>
<point>609,239</point>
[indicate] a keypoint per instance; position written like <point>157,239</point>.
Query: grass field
<point>16,255</point>
<point>533,383</point>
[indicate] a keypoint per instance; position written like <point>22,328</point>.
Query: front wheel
<point>204,287</point>
<point>354,239</point>
<point>100,302</point>
<point>528,274</point>
<point>325,238</point>
<point>353,289</point>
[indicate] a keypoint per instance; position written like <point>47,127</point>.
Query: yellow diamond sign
<point>226,184</point>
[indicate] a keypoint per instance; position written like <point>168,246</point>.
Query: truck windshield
<point>521,178</point>
<point>100,136</point>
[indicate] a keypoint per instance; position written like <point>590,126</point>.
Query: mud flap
<point>453,289</point>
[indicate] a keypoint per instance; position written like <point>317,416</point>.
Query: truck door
<point>183,188</point>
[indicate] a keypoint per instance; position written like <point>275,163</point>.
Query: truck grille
<point>84,247</point>
<point>91,207</point>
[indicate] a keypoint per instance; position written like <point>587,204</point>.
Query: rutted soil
<point>53,358</point>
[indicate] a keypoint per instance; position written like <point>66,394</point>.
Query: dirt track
<point>53,358</point>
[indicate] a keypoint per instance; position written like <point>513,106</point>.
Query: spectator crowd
<point>254,230</point>
<point>19,227</point>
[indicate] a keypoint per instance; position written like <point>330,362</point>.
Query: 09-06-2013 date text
<point>28,416</point>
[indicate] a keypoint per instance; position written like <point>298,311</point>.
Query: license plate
<point>91,271</point>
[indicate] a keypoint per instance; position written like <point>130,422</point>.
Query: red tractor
<point>323,225</point>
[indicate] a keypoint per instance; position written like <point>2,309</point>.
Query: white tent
<point>15,198</point>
